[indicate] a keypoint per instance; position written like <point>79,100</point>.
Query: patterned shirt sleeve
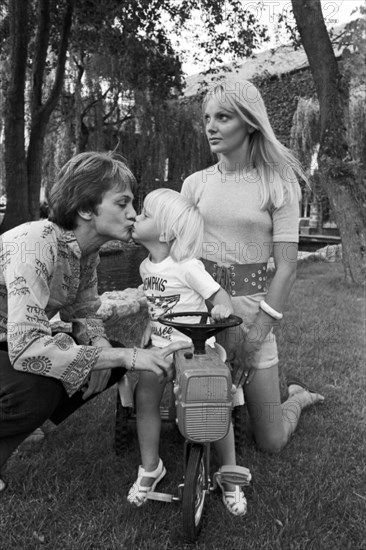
<point>87,325</point>
<point>28,269</point>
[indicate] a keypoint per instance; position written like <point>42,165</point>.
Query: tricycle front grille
<point>206,388</point>
<point>207,423</point>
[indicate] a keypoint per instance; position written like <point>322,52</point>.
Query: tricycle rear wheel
<point>194,493</point>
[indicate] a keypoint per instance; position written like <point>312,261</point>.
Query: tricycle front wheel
<point>194,493</point>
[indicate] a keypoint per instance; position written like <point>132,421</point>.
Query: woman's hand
<point>244,368</point>
<point>243,359</point>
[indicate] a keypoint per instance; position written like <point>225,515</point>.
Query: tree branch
<point>112,109</point>
<point>91,105</point>
<point>61,60</point>
<point>40,56</point>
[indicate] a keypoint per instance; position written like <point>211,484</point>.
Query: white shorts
<point>247,307</point>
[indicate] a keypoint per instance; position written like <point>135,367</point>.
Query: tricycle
<point>201,405</point>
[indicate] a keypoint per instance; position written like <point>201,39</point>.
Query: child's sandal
<point>138,493</point>
<point>234,501</point>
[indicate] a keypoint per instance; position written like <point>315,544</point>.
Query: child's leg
<point>233,497</point>
<point>225,449</point>
<point>148,396</point>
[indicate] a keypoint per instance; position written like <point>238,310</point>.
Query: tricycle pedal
<point>237,475</point>
<point>162,497</point>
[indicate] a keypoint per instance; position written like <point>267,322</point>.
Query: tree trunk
<point>40,114</point>
<point>24,174</point>
<point>340,176</point>
<point>15,161</point>
<point>34,167</point>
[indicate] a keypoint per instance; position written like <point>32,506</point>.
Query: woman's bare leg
<point>274,422</point>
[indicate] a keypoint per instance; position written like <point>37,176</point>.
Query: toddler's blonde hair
<point>179,221</point>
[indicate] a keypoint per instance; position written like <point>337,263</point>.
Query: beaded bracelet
<point>270,311</point>
<point>134,356</point>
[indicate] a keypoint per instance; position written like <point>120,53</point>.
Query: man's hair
<point>83,181</point>
<point>179,221</point>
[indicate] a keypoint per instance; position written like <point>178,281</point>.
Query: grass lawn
<point>70,493</point>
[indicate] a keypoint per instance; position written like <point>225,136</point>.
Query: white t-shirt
<point>174,287</point>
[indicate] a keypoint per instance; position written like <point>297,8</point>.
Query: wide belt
<point>239,279</point>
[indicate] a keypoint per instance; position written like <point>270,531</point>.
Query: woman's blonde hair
<point>276,165</point>
<point>179,221</point>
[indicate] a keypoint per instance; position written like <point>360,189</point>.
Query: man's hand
<point>96,383</point>
<point>146,336</point>
<point>157,360</point>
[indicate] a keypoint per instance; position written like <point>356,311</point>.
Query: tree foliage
<point>83,64</point>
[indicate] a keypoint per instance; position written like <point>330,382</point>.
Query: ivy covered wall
<point>281,94</point>
<point>170,142</point>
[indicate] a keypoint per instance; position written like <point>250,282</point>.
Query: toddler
<point>170,227</point>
